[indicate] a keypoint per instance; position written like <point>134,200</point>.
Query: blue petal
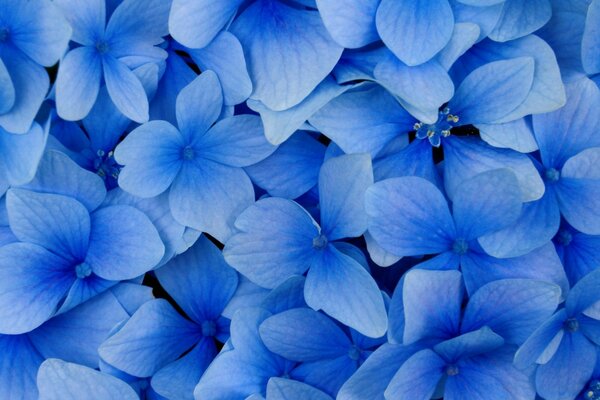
<point>78,83</point>
<point>105,124</point>
<point>287,389</point>
<point>7,90</point>
<point>151,155</point>
<point>84,289</point>
<point>237,141</point>
<point>538,344</point>
<point>204,94</point>
<point>415,31</point>
<point>409,216</point>
<point>583,295</point>
<point>363,120</point>
<point>464,36</point>
<point>154,336</point>
<point>32,283</point>
<point>520,18</point>
<point>378,255</point>
<point>288,295</point>
<point>225,56</point>
<point>432,302</point>
<point>292,170</point>
<point>484,13</point>
<point>486,203</point>
<point>350,23</point>
<point>342,184</point>
<point>20,155</point>
<point>125,89</point>
<point>492,91</point>
<point>288,52</point>
<point>590,45</point>
<point>87,19</point>
<point>18,367</point>
<point>124,244</point>
<point>470,344</point>
<point>208,196</point>
<point>273,241</point>
<point>580,256</point>
<point>139,20</point>
<point>57,223</point>
<point>328,374</point>
<point>566,374</point>
<point>513,308</point>
<point>59,380</point>
<point>301,334</point>
<point>417,378</point>
<point>200,281</point>
<point>413,160</point>
<point>332,284</point>
<point>196,23</point>
<point>280,125</point>
<point>516,135</point>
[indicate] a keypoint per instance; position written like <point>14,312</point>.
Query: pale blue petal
<point>409,216</point>
<point>583,295</point>
<point>378,254</point>
<point>520,18</point>
<point>464,36</point>
<point>481,341</point>
<point>415,30</point>
<point>82,290</point>
<point>87,19</point>
<point>7,90</point>
<point>125,89</point>
<point>18,367</point>
<point>416,159</point>
<point>590,45</point>
<point>327,375</point>
<point>20,155</point>
<point>288,295</point>
<point>59,380</point>
<point>124,243</point>
<point>288,52</point>
<point>539,346</point>
<point>199,105</point>
<point>287,389</point>
<point>350,23</point>
<point>417,378</point>
<point>78,83</point>
<point>332,284</point>
<point>137,20</point>
<point>273,241</point>
<point>516,135</point>
<point>484,13</point>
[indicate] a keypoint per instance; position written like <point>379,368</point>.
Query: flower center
<point>106,166</point>
<point>4,34</point>
<point>83,270</point>
<point>571,325</point>
<point>552,175</point>
<point>564,237</point>
<point>188,153</point>
<point>319,242</point>
<point>436,131</point>
<point>102,47</point>
<point>460,246</point>
<point>593,390</point>
<point>452,370</point>
<point>209,328</point>
<point>354,353</point>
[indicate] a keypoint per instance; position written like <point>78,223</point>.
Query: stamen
<point>320,242</point>
<point>460,246</point>
<point>452,370</point>
<point>83,270</point>
<point>209,328</point>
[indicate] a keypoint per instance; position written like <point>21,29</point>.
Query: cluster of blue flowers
<point>300,199</point>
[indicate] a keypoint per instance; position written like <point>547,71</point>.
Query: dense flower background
<point>300,199</point>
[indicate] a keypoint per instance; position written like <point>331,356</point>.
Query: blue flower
<point>108,52</point>
<point>276,238</point>
<point>33,35</point>
<point>200,164</point>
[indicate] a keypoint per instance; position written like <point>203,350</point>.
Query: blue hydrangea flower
<point>198,162</point>
<point>107,52</point>
<point>276,238</point>
<point>564,347</point>
<point>33,35</point>
<point>578,252</point>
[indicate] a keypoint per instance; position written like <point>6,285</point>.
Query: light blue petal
<point>327,375</point>
<point>424,88</point>
<point>87,19</point>
<point>486,203</point>
<point>20,155</point>
<point>343,182</point>
<point>540,344</point>
<point>590,45</point>
<point>484,13</point>
<point>154,336</point>
<point>288,52</point>
<point>225,56</point>
<point>332,284</point>
<point>567,373</point>
<point>44,32</point>
<point>274,240</point>
<point>59,380</point>
<point>415,30</point>
<point>301,334</point>
<point>580,256</point>
<point>124,244</point>
<point>287,389</point>
<point>200,281</point>
<point>520,18</point>
<point>139,20</point>
<point>350,23</point>
<point>151,155</point>
<point>208,197</point>
<point>469,344</point>
<point>125,89</point>
<point>292,170</point>
<point>82,290</point>
<point>513,308</point>
<point>7,90</point>
<point>280,125</point>
<point>492,91</point>
<point>417,378</point>
<point>288,295</point>
<point>363,121</point>
<point>465,157</point>
<point>516,135</point>
<point>18,367</point>
<point>583,294</point>
<point>464,36</point>
<point>238,141</point>
<point>377,253</point>
<point>424,292</point>
<point>58,174</point>
<point>31,85</point>
<point>32,283</point>
<point>542,264</point>
<point>57,223</point>
<point>196,23</point>
<point>415,159</point>
<point>203,94</point>
<point>105,124</point>
<point>409,216</point>
<point>78,83</point>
